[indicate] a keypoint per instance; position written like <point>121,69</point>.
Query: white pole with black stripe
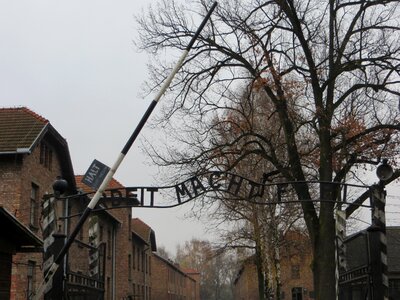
<point>378,245</point>
<point>93,202</point>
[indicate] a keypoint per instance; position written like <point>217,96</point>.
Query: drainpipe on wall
<point>66,234</point>
<point>146,267</point>
<point>113,263</point>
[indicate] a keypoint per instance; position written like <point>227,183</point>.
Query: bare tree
<point>216,268</point>
<point>330,71</point>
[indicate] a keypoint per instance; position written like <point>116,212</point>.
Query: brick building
<point>32,154</point>
<point>16,239</point>
<point>91,260</point>
<point>170,282</point>
<point>246,282</point>
<point>117,241</point>
<point>362,274</point>
<point>296,273</point>
<point>112,256</point>
<point>193,287</point>
<point>143,244</point>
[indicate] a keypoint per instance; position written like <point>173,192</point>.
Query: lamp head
<point>384,171</point>
<point>60,185</point>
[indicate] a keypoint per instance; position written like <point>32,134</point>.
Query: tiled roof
<point>173,265</point>
<point>141,229</point>
<point>19,128</point>
<point>144,232</point>
<point>190,271</point>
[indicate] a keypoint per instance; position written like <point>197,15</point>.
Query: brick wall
<point>141,273</point>
<point>246,286</point>
<point>170,282</point>
<point>124,250</point>
<point>17,174</point>
<point>296,273</point>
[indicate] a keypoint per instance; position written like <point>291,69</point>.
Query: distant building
<point>296,274</point>
<point>246,283</point>
<point>116,264</point>
<point>193,287</point>
<point>169,281</point>
<point>140,264</point>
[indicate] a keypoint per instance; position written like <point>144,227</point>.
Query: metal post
<point>378,244</point>
<point>341,262</point>
<point>53,268</point>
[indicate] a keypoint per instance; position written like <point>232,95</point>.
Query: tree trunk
<point>324,264</point>
<point>260,272</point>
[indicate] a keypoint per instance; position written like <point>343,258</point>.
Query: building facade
<point>246,282</point>
<point>32,155</point>
<point>170,282</point>
<point>17,238</point>
<point>113,257</point>
<point>296,280</point>
<point>362,275</point>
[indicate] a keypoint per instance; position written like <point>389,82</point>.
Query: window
<point>130,227</point>
<point>109,243</point>
<point>143,261</point>
<point>46,156</point>
<point>295,271</point>
<point>33,213</point>
<point>297,293</point>
<point>129,267</point>
<point>134,256</point>
<point>31,279</point>
<point>108,288</point>
<point>101,233</point>
<point>138,258</point>
<point>149,265</point>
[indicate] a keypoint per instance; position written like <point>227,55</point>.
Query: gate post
<point>378,245</point>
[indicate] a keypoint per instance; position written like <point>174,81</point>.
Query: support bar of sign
<point>119,160</point>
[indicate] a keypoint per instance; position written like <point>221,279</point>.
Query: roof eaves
<point>31,147</point>
<point>38,137</point>
<point>36,241</point>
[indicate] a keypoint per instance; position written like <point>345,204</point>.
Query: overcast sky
<point>74,63</point>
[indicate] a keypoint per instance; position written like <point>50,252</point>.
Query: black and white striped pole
<point>377,235</point>
<point>53,268</point>
<point>341,261</point>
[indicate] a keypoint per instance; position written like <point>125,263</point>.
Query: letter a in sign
<point>95,175</point>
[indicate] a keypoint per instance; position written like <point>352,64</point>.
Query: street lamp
<point>60,185</point>
<point>384,171</point>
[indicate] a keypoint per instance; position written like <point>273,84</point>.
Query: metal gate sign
<point>95,175</point>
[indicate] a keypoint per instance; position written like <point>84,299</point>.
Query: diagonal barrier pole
<point>53,268</point>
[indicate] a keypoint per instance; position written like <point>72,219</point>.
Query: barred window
<point>34,205</point>
<point>31,279</point>
<point>295,272</point>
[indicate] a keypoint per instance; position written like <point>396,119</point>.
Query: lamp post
<point>377,235</point>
